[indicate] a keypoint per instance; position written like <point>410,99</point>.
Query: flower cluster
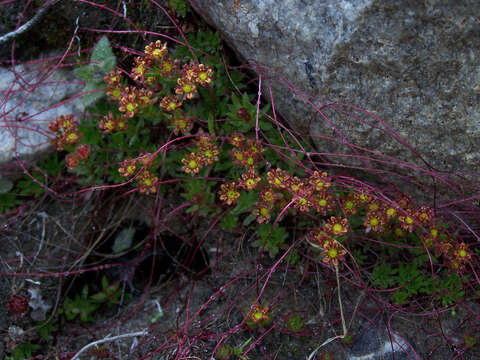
<point>229,193</point>
<point>132,99</point>
<point>66,132</point>
<point>146,182</point>
<point>114,84</point>
<point>155,52</point>
<point>278,178</point>
<point>324,239</point>
<point>206,153</point>
<point>247,153</point>
<point>110,123</point>
<point>181,123</point>
<point>207,150</point>
<point>309,193</point>
<point>192,75</point>
<point>456,255</point>
<point>170,103</point>
<point>299,190</point>
<point>129,101</point>
<point>249,179</point>
<point>192,164</point>
<point>17,305</point>
<point>258,315</point>
<point>147,72</point>
<point>82,152</point>
<point>336,226</point>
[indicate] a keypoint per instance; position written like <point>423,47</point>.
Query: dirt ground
<point>45,248</point>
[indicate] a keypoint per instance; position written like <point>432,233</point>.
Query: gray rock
<point>414,64</point>
<point>377,343</point>
<point>30,100</point>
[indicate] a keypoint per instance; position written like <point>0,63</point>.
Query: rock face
<point>31,98</point>
<point>415,65</point>
<point>376,342</point>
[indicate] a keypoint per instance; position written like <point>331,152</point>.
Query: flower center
<point>157,53</point>
<point>257,315</point>
<point>320,184</point>
<point>231,194</point>
<point>192,164</point>
<point>332,253</point>
<point>374,221</point>
<point>337,228</point>
<point>322,202</point>
<point>130,107</point>
<point>181,124</point>
<point>202,76</point>
<point>462,253</point>
<point>409,220</point>
<point>187,88</point>
<point>268,197</point>
<point>373,207</point>
<point>167,67</point>
<point>264,211</point>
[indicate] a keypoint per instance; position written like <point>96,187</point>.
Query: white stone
<point>31,97</point>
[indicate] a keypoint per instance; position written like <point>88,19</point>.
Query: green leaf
<point>89,99</point>
<point>399,297</point>
<point>156,317</point>
<point>211,126</point>
<point>45,331</point>
<point>229,222</point>
<point>123,240</point>
<point>245,202</point>
<point>450,289</point>
<point>52,165</point>
<point>103,55</point>
<point>28,187</point>
<point>85,292</point>
<point>99,297</point>
<point>104,282</point>
<point>85,72</point>
<point>192,209</point>
<point>265,125</point>
<point>8,201</point>
<point>5,185</point>
<point>271,238</point>
<point>179,7</point>
<point>25,351</point>
<point>384,276</point>
<point>249,219</point>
